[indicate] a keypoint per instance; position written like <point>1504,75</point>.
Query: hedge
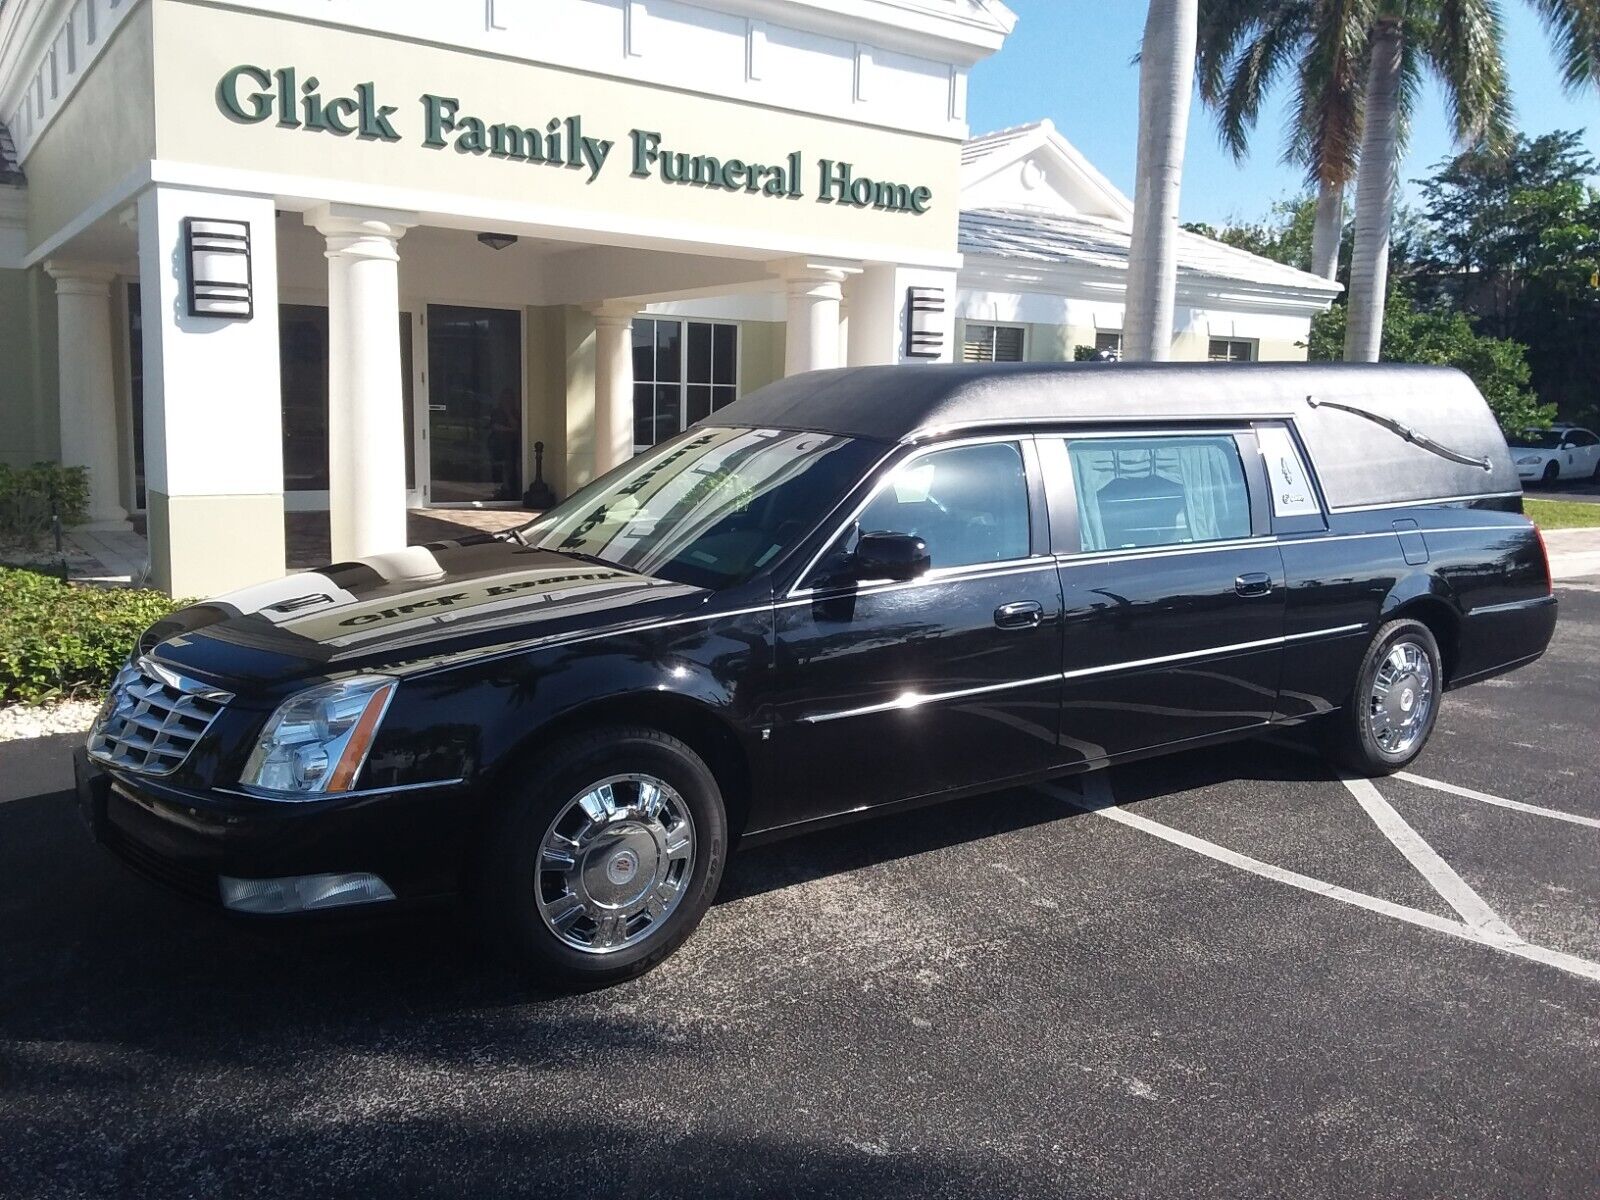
<point>31,496</point>
<point>58,641</point>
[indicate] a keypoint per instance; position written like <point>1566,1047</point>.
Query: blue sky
<point>1070,60</point>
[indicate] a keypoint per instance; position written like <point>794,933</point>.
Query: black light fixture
<point>218,256</point>
<point>497,241</point>
<point>924,322</point>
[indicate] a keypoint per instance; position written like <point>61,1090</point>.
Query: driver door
<point>889,691</point>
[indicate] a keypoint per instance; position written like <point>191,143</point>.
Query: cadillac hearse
<point>851,592</point>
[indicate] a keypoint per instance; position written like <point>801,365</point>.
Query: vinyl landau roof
<point>1359,461</point>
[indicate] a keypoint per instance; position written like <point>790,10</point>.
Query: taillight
<point>1544,554</point>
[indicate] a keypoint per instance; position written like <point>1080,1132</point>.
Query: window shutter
<point>1007,343</point>
<point>977,344</point>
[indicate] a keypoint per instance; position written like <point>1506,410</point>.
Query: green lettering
<point>646,148</point>
<point>920,198</point>
<point>439,118</point>
<point>332,118</point>
<point>260,101</point>
<point>473,138</point>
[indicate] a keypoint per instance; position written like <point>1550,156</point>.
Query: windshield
<point>709,508</point>
<point>1537,439</point>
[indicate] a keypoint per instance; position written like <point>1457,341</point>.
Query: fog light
<point>302,893</point>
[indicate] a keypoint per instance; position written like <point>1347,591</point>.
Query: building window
<point>1109,339</point>
<point>991,343</point>
<point>683,371</point>
<point>1232,350</point>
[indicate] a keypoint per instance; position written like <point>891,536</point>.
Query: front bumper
<point>414,839</point>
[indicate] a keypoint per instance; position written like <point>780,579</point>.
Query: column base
<point>203,546</point>
<point>107,525</point>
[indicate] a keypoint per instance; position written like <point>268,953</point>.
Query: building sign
<point>252,95</point>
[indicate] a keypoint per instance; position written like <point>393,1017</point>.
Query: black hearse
<point>850,591</point>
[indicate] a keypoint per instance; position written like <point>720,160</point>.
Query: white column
<point>213,408</point>
<point>811,337</point>
<point>366,420</point>
<point>613,385</point>
<point>878,313</point>
<point>88,396</point>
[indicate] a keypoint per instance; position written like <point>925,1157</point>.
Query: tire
<point>1353,737</point>
<point>1595,478</point>
<point>1552,472</point>
<point>628,899</point>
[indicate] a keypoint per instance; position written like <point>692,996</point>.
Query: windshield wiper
<point>588,558</point>
<point>1421,441</point>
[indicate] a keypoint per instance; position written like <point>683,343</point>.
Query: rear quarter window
<point>1138,492</point>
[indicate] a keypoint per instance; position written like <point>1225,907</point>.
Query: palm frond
<point>1574,28</point>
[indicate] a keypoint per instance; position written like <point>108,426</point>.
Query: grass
<point>1562,514</point>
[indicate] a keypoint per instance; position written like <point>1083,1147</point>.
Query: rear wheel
<point>605,860</point>
<point>1395,703</point>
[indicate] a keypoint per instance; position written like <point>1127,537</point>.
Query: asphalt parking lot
<point>1226,974</point>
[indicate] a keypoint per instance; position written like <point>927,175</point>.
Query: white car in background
<point>1560,452</point>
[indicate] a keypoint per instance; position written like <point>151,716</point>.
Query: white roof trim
<point>988,154</point>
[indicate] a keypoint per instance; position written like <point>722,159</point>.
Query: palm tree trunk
<point>1328,230</point>
<point>1166,79</point>
<point>1375,187</point>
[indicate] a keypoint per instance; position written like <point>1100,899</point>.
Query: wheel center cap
<point>624,865</point>
<point>1407,699</point>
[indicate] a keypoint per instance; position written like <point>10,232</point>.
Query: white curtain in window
<point>1158,491</point>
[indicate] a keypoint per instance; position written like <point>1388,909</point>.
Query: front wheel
<point>605,858</point>
<point>1395,703</point>
<point>1552,472</point>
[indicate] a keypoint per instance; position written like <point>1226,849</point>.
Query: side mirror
<point>897,556</point>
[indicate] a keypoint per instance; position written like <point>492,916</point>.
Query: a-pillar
<point>613,385</point>
<point>88,397</point>
<point>366,418</point>
<point>811,336</point>
<point>213,423</point>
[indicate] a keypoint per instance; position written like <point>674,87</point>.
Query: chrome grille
<point>153,718</point>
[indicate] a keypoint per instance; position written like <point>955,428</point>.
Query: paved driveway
<point>1226,974</point>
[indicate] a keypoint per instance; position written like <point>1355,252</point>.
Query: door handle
<point>1256,583</point>
<point>1020,614</point>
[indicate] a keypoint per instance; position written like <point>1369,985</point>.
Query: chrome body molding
<point>356,794</point>
<point>911,700</point>
<point>1424,503</point>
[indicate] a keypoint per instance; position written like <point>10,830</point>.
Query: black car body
<point>1125,560</point>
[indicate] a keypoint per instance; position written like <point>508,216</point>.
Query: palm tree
<point>1459,41</point>
<point>1245,45</point>
<point>1166,74</point>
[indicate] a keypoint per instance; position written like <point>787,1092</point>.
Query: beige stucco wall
<point>195,45</point>
<point>761,347</point>
<point>106,130</point>
<point>30,423</point>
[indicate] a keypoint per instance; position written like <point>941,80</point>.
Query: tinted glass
<point>1537,439</point>
<point>1581,438</point>
<point>969,503</point>
<point>475,403</point>
<point>1135,492</point>
<point>709,508</point>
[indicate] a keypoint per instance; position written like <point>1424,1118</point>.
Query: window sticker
<point>1292,493</point>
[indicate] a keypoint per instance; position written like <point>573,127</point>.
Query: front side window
<point>991,343</point>
<point>968,503</point>
<point>709,508</point>
<point>1158,491</point>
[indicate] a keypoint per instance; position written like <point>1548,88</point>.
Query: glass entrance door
<point>474,404</point>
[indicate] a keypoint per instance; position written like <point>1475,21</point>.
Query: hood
<point>401,610</point>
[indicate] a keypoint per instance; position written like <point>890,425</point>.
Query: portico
<point>444,285</point>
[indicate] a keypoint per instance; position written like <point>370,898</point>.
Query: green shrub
<point>58,641</point>
<point>30,496</point>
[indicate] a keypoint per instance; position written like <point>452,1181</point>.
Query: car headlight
<point>318,739</point>
<point>1528,460</point>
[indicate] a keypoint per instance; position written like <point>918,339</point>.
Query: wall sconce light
<point>497,241</point>
<point>924,322</point>
<point>220,280</point>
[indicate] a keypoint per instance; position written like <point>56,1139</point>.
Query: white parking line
<point>1439,785</point>
<point>1097,798</point>
<point>1441,876</point>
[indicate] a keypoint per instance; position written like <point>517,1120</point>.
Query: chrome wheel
<point>615,863</point>
<point>1402,698</point>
